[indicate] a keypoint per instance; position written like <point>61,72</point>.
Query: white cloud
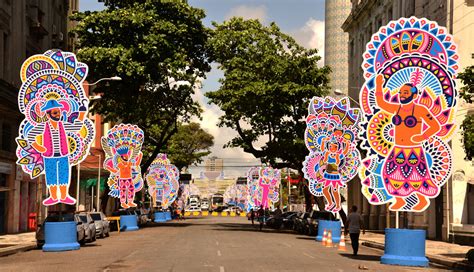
<point>311,36</point>
<point>248,12</point>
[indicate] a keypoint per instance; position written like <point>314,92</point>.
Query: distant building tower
<point>336,43</point>
<point>214,164</point>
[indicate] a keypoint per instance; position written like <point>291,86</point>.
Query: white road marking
<point>217,243</point>
<point>221,269</point>
<point>307,255</point>
<point>219,253</point>
<point>288,245</point>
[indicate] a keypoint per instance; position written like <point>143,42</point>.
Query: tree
<point>189,145</point>
<point>467,126</point>
<point>269,80</point>
<point>158,49</point>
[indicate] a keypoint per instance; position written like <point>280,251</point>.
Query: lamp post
<point>114,78</point>
<point>98,185</point>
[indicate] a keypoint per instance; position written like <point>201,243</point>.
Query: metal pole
<point>289,190</point>
<point>98,187</point>
<point>77,185</point>
<point>92,198</point>
<point>396,220</point>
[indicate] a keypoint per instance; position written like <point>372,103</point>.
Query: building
<point>335,42</point>
<point>27,27</point>
<point>451,215</point>
<point>214,164</point>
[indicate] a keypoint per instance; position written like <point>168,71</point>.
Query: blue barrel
<point>60,236</point>
<point>333,226</point>
<point>160,217</point>
<point>168,215</point>
<point>405,247</point>
<point>128,222</point>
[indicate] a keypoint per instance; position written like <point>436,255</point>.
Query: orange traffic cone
<point>324,237</point>
<point>342,243</point>
<point>329,240</point>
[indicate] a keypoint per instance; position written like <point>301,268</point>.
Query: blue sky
<point>303,19</point>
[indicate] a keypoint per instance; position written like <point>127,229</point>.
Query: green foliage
<point>189,145</point>
<point>467,126</point>
<point>151,45</point>
<point>268,82</point>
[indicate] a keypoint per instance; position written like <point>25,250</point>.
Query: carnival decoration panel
<point>122,146</point>
<point>236,194</point>
<point>162,180</point>
<point>263,185</point>
<point>56,133</point>
<point>331,138</point>
<point>409,101</point>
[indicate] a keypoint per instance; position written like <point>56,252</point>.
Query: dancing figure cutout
<point>56,133</point>
<point>409,100</point>
<point>330,136</point>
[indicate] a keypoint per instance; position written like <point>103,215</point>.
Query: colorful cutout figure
<point>263,184</point>
<point>162,180</point>
<point>236,194</point>
<point>409,99</point>
<point>122,147</point>
<point>330,136</point>
<point>55,134</point>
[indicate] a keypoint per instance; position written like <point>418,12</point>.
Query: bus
<point>217,201</point>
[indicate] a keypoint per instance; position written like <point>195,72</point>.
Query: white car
<point>192,209</point>
<point>235,209</point>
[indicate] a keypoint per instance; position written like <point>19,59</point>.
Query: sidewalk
<point>13,243</point>
<point>448,254</point>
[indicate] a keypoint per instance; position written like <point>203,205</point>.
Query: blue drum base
<point>60,236</point>
<point>160,217</point>
<point>168,216</point>
<point>333,226</point>
<point>128,223</point>
<point>405,247</point>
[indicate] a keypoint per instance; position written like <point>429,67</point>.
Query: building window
<point>470,204</point>
<point>6,137</point>
<point>6,57</point>
<point>3,180</point>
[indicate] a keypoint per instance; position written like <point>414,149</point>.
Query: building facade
<point>335,42</point>
<point>27,27</point>
<point>450,215</point>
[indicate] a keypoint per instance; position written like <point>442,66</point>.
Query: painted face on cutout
<point>124,157</point>
<point>54,114</point>
<point>406,94</point>
<point>333,147</point>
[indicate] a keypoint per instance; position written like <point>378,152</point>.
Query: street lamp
<point>114,78</point>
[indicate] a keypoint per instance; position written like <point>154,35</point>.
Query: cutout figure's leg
<point>327,196</point>
<point>123,193</point>
<point>422,203</point>
<point>131,194</point>
<point>399,203</point>
<point>337,198</point>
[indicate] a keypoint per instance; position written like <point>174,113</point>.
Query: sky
<point>302,19</point>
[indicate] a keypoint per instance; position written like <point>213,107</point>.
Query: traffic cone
<point>342,243</point>
<point>329,240</point>
<point>324,237</point>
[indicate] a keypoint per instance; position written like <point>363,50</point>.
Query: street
<point>202,244</point>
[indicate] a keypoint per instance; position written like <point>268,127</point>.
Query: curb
<point>432,258</point>
<point>16,249</point>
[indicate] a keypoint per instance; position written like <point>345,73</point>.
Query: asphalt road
<point>201,244</point>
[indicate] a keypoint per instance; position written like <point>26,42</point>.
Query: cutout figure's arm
<point>37,144</point>
<point>139,159</point>
<point>379,96</point>
<point>432,123</point>
<point>323,144</point>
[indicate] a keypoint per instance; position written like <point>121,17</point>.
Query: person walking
<point>252,215</point>
<point>354,225</point>
<point>261,216</point>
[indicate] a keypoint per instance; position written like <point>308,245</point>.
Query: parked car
<point>192,209</point>
<point>102,225</point>
<point>143,219</point>
<point>57,218</point>
<point>311,225</point>
<point>235,209</point>
<point>277,223</point>
<point>300,221</point>
<point>289,220</point>
<point>89,227</point>
<point>205,204</point>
